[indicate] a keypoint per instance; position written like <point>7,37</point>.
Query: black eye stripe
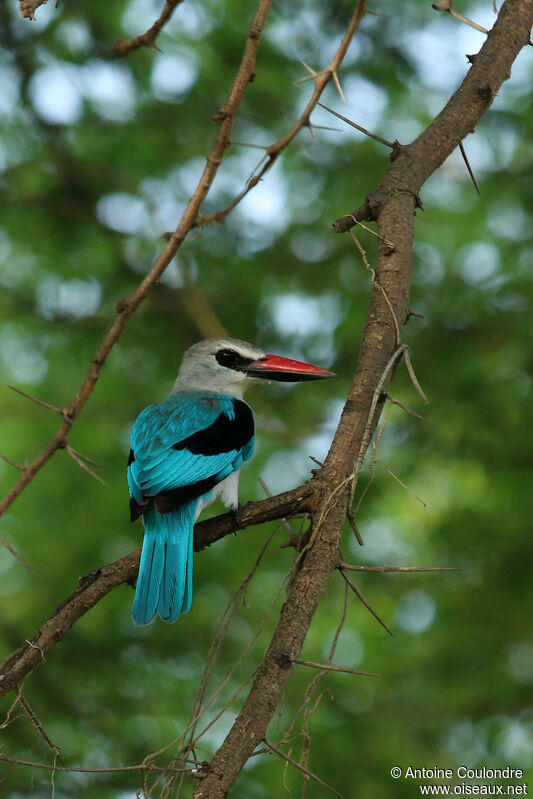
<point>232,360</point>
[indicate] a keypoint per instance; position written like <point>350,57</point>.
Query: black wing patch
<point>131,457</point>
<point>176,497</point>
<point>173,498</point>
<point>223,435</point>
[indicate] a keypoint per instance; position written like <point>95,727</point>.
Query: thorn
<point>405,408</point>
<point>78,458</point>
<point>308,68</point>
<point>355,529</point>
<point>315,460</point>
<point>247,144</point>
<point>323,127</point>
<point>326,667</point>
<point>358,127</point>
<point>18,557</point>
<point>338,85</point>
<point>312,76</point>
<point>85,458</point>
<point>463,153</point>
<point>38,401</point>
<point>446,5</point>
<point>360,596</point>
<point>402,569</point>
<point>411,493</point>
<point>12,463</point>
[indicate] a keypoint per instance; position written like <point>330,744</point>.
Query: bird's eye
<point>227,357</point>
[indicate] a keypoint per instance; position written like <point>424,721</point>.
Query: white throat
<point>234,389</point>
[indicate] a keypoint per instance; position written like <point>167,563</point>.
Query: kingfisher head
<point>229,365</point>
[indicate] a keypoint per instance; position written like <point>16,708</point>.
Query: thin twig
<point>412,375</point>
<point>374,233</point>
<point>124,46</point>
<point>9,719</point>
<point>321,80</point>
<point>378,284</point>
<point>39,727</point>
<point>301,768</point>
<point>77,769</point>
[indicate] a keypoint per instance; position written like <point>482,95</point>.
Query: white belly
<point>227,490</point>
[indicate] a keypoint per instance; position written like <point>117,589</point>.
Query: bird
<point>187,451</point>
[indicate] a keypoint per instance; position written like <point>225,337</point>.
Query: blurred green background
<point>98,157</point>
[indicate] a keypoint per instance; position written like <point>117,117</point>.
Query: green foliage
<point>98,158</point>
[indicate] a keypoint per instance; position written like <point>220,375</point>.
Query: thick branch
<point>94,586</point>
<point>394,209</point>
<point>126,307</point>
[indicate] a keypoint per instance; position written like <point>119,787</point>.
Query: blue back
<point>180,449</point>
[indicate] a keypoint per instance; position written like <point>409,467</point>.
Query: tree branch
<point>321,80</point>
<point>392,205</point>
<point>492,66</point>
<point>126,307</point>
<point>94,586</point>
<point>123,47</point>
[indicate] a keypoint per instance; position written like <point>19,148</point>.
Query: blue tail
<point>164,585</point>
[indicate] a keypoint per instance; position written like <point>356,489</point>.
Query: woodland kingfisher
<point>188,450</point>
